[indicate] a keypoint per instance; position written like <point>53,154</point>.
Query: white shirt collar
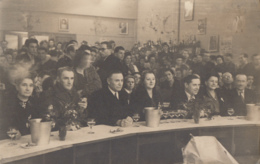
<point>113,92</point>
<point>129,92</point>
<point>189,96</point>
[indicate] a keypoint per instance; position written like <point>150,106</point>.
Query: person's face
<point>199,58</point>
<point>94,55</point>
<point>104,51</point>
<point>219,61</point>
<point>66,79</point>
<point>212,83</point>
<point>42,54</point>
<point>130,84</point>
<point>148,52</point>
<point>25,88</point>
<point>227,78</point>
<point>86,61</point>
<point>228,59</point>
<point>185,54</point>
<point>250,80</point>
<point>169,76</point>
<point>195,60</point>
<point>206,57</point>
<point>242,59</point>
<point>165,48</point>
<point>59,46</point>
<point>51,43</point>
<point>152,60</point>
<point>128,60</point>
<point>178,75</point>
<point>121,54</point>
<point>256,60</point>
<point>115,82</point>
<point>45,44</point>
<point>33,48</point>
<point>133,58</point>
<point>179,61</point>
<point>3,61</point>
<point>241,82</point>
<point>193,87</point>
<point>149,81</point>
<point>137,78</point>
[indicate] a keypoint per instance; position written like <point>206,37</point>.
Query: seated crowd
<point>110,84</point>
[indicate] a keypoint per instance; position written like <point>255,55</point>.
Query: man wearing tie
<point>240,95</point>
<point>190,91</point>
<point>108,105</point>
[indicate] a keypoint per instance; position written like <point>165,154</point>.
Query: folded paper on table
<point>206,150</point>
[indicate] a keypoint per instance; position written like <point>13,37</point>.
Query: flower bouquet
<point>199,108</point>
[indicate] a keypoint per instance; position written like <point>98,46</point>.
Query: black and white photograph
<point>129,82</point>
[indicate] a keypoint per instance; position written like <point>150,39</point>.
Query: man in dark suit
<point>190,91</point>
<point>240,95</point>
<point>108,105</point>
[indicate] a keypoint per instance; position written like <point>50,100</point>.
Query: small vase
<point>196,117</point>
<point>62,132</point>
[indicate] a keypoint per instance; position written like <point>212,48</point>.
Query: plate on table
<point>118,130</point>
<point>27,145</point>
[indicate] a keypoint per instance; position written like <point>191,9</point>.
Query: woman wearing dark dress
<point>145,95</point>
<point>169,85</point>
<point>20,108</point>
<point>212,91</point>
<point>86,78</point>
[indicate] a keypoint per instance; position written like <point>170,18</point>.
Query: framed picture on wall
<point>188,9</point>
<point>63,24</point>
<point>123,28</point>
<point>213,43</point>
<point>202,26</point>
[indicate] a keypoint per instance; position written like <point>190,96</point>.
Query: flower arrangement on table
<point>199,107</point>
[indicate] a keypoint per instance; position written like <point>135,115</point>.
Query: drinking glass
<point>172,115</point>
<point>165,114</point>
<point>136,118</point>
<point>12,134</point>
<point>91,123</point>
<point>230,112</point>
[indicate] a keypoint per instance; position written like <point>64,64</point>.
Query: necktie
<point>116,95</point>
<point>241,96</point>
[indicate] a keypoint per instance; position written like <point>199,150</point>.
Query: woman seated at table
<point>86,78</point>
<point>212,92</point>
<point>168,86</point>
<point>20,108</point>
<point>145,95</point>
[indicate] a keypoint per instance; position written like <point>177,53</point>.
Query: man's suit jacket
<point>178,98</point>
<point>238,104</point>
<point>106,108</point>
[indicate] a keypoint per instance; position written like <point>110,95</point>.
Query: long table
<point>135,144</point>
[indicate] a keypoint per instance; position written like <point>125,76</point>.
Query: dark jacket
<point>106,108</point>
<point>220,103</point>
<point>16,114</point>
<point>167,91</point>
<point>238,104</point>
<point>140,99</point>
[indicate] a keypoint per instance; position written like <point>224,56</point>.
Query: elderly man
<point>240,95</point>
<point>108,105</point>
<point>190,91</point>
<point>64,97</point>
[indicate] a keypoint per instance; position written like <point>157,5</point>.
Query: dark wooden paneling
<point>64,156</point>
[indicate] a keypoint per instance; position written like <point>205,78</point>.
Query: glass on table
<point>91,122</point>
<point>230,112</point>
<point>165,114</point>
<point>136,118</point>
<point>172,115</point>
<point>12,132</point>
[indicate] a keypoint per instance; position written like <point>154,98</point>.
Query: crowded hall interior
<point>130,81</point>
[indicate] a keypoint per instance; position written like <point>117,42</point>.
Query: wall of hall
<point>90,20</point>
<point>221,20</point>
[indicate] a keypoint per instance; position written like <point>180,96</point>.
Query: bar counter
<point>135,144</point>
